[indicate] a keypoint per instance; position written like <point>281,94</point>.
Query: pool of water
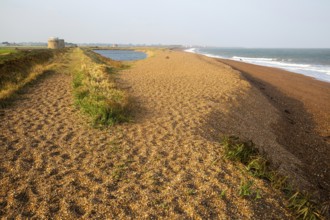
<point>122,55</point>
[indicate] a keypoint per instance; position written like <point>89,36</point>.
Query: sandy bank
<point>303,127</point>
<point>167,163</point>
<point>313,94</point>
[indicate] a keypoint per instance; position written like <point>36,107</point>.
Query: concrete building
<point>55,43</point>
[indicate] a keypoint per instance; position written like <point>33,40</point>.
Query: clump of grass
<point>246,189</point>
<point>96,94</point>
<point>279,181</point>
<point>258,167</point>
<point>246,153</point>
<point>305,207</point>
<point>239,151</point>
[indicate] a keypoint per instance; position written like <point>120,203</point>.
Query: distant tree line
<point>9,44</point>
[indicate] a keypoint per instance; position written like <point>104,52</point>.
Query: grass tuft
<point>245,188</point>
<point>96,94</point>
<point>239,151</point>
<point>305,207</point>
<point>257,166</point>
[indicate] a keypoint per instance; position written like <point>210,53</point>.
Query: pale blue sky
<point>246,23</point>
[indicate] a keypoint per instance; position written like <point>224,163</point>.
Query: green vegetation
<point>245,188</point>
<point>223,194</point>
<point>7,50</point>
<point>246,153</point>
<point>305,207</point>
<point>11,54</point>
<point>95,90</point>
<point>241,152</point>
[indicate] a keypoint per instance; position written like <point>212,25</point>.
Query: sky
<point>221,23</point>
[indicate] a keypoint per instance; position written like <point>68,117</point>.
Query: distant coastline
<point>314,63</point>
<point>302,106</point>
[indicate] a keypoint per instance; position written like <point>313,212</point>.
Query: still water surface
<point>122,55</point>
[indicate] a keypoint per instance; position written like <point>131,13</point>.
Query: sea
<point>122,55</point>
<point>310,62</point>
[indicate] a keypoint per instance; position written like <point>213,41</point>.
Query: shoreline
<point>295,85</point>
<point>304,109</point>
<point>312,70</point>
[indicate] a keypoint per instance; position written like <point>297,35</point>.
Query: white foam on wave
<point>320,72</point>
<point>191,50</point>
<point>211,55</point>
<point>252,59</point>
<point>194,50</point>
<point>269,61</point>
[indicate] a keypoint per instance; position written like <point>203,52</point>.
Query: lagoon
<point>122,55</point>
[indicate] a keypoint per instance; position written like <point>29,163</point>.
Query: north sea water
<point>310,62</point>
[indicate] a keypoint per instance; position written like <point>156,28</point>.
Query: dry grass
<point>22,68</point>
<point>95,90</point>
<point>9,88</point>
